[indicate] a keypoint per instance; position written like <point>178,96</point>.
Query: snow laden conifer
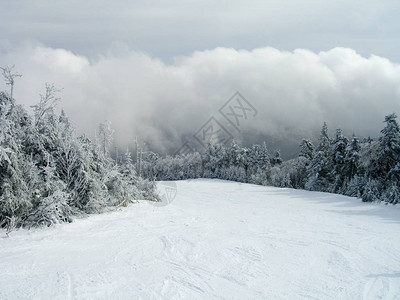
<point>352,158</point>
<point>259,164</point>
<point>307,149</point>
<point>276,160</point>
<point>387,169</point>
<point>319,168</point>
<point>366,169</point>
<point>47,175</point>
<point>50,200</point>
<point>337,156</point>
<point>237,163</point>
<point>15,180</point>
<point>352,171</point>
<point>293,173</point>
<point>389,148</point>
<point>211,161</point>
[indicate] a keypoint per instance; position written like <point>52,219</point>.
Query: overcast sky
<point>160,69</point>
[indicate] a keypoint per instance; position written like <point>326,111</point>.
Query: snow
<point>217,239</point>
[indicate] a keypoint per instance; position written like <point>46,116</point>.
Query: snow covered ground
<point>217,239</point>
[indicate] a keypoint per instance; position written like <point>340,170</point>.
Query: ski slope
<point>216,240</point>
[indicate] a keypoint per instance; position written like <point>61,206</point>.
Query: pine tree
<point>276,160</point>
<point>324,140</point>
<point>50,205</point>
<point>307,149</point>
<point>48,176</point>
<point>370,192</point>
<point>15,188</point>
<point>389,147</point>
<point>338,153</point>
<point>319,169</point>
<point>352,158</point>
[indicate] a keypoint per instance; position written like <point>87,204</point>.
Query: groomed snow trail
<point>217,239</point>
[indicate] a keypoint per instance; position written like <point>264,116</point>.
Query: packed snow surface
<point>217,239</point>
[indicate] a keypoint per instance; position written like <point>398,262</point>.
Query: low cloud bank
<point>164,104</point>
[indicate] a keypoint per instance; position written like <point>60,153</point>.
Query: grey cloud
<point>294,92</point>
<point>169,28</point>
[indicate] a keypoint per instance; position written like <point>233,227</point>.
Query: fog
<point>164,104</point>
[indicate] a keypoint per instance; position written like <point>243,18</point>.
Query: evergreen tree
<point>319,169</point>
<point>352,158</point>
<point>338,153</point>
<point>15,184</point>
<point>48,176</point>
<point>307,149</point>
<point>276,160</point>
<point>389,147</point>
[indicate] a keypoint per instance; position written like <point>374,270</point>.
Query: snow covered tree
<point>149,162</point>
<point>238,163</point>
<point>194,167</point>
<point>389,147</point>
<point>44,110</point>
<point>276,160</point>
<point>211,161</point>
<point>50,204</point>
<point>352,158</point>
<point>319,170</point>
<point>338,153</point>
<point>324,140</point>
<point>9,76</point>
<point>307,149</point>
<point>47,175</point>
<point>104,136</point>
<point>392,194</point>
<point>15,192</point>
<point>259,164</point>
<point>370,192</point>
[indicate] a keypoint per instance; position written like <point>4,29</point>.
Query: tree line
<point>367,169</point>
<point>48,174</point>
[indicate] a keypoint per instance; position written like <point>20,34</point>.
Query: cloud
<point>293,92</point>
<point>169,28</point>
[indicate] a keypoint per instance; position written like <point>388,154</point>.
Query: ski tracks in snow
<point>217,239</point>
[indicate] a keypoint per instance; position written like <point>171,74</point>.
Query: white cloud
<point>294,92</point>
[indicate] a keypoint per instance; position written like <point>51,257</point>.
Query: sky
<point>161,70</point>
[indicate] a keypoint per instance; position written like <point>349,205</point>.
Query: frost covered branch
<point>9,76</point>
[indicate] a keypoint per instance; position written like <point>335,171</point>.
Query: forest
<point>48,174</point>
<point>364,168</point>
